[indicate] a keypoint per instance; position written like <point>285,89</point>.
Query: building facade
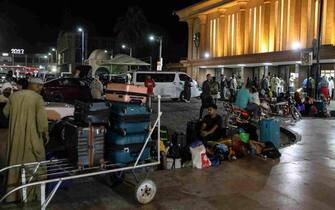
<point>256,37</point>
<point>70,50</point>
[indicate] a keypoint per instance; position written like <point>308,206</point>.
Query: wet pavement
<point>304,177</point>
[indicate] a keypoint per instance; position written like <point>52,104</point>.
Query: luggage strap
<point>90,146</point>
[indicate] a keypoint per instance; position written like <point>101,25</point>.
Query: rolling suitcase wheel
<point>145,191</point>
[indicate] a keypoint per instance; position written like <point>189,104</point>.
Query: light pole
<point>49,54</point>
<point>81,30</point>
<point>127,47</point>
<point>56,54</point>
<point>160,40</point>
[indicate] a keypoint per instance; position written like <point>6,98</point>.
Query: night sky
<point>34,25</point>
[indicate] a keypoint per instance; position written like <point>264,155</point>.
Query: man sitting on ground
<point>211,126</point>
<point>242,98</point>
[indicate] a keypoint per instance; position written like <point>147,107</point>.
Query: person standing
<point>187,90</point>
<point>206,98</point>
<point>150,84</point>
<point>232,88</point>
<point>97,88</point>
<point>28,132</point>
<point>223,87</point>
<point>214,86</point>
<point>331,87</point>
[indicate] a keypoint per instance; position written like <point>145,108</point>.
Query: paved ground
<point>304,178</point>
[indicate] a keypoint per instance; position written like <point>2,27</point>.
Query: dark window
<point>156,77</point>
<point>184,77</point>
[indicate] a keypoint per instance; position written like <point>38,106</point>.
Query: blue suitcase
<point>126,128</point>
<point>270,131</point>
<point>116,139</point>
<point>129,113</point>
<point>125,154</point>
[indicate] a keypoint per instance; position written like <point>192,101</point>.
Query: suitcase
<point>192,131</point>
<point>129,113</point>
<point>126,128</point>
<point>179,139</point>
<point>270,131</point>
<point>84,144</point>
<point>126,93</point>
<point>125,154</point>
<point>116,139</point>
<point>96,112</point>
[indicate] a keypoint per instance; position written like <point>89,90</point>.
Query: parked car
<point>67,90</point>
<point>168,84</point>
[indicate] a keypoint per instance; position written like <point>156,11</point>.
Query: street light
<point>56,54</point>
<point>130,49</point>
<point>160,40</point>
<point>81,30</point>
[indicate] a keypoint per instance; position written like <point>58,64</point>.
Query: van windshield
<point>168,77</point>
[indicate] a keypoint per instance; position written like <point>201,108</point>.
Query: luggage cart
<point>145,190</point>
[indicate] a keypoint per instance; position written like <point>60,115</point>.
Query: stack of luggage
<point>129,129</point>
<point>112,131</point>
<point>85,135</point>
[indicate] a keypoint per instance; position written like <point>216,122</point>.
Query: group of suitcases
<point>112,131</point>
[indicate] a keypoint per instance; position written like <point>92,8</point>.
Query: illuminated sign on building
<point>17,51</point>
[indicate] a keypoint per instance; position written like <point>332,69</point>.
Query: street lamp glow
<point>49,53</point>
<point>296,45</point>
<point>45,56</point>
<point>151,38</point>
<point>206,55</point>
<point>123,46</point>
<point>53,49</point>
<point>106,51</point>
<point>80,29</point>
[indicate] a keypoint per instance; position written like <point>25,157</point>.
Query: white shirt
<point>254,98</point>
<point>331,84</point>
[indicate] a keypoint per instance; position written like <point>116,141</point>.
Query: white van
<point>168,84</point>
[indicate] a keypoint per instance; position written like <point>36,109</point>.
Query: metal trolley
<point>145,190</point>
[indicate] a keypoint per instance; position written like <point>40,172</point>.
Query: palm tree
<point>132,28</point>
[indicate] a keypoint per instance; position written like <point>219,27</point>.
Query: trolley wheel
<point>145,191</point>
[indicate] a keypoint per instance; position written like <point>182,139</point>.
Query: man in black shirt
<point>206,98</point>
<point>211,127</point>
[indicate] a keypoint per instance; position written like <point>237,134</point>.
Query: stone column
<point>272,28</point>
<point>203,34</point>
<point>266,70</point>
<point>222,33</point>
<point>190,39</point>
<point>240,29</point>
<point>304,24</point>
<point>311,22</point>
<point>266,25</point>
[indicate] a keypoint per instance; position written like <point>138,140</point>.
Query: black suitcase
<point>192,131</point>
<point>85,144</point>
<point>96,112</point>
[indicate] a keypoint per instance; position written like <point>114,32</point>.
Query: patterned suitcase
<point>85,144</point>
<point>96,112</point>
<point>126,93</point>
<point>125,154</point>
<point>129,113</point>
<point>270,131</point>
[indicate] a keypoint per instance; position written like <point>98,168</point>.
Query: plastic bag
<point>199,157</point>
